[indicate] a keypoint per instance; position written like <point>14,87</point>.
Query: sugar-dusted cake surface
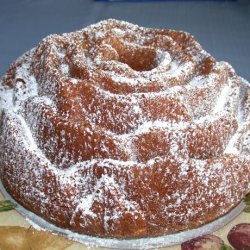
<point>122,131</point>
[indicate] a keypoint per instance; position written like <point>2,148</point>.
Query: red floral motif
<point>239,236</point>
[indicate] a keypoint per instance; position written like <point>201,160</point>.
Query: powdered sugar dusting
<point>124,131</point>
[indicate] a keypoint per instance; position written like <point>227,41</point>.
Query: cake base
<point>140,243</point>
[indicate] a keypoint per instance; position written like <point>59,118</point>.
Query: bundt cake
<point>122,131</point>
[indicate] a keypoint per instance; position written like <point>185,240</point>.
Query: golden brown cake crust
<point>122,131</point>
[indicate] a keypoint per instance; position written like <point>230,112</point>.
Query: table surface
<point>222,27</point>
